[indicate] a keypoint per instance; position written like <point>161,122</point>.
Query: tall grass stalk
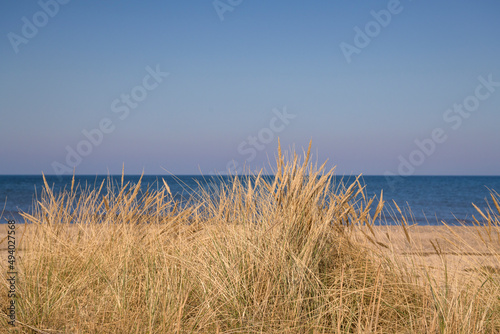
<point>289,254</point>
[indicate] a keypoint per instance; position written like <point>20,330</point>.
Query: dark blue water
<point>432,199</point>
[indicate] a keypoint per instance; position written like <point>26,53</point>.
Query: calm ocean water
<point>431,198</point>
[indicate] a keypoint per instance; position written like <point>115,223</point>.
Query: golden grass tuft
<point>290,254</point>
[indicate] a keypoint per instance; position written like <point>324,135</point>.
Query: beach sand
<point>452,251</point>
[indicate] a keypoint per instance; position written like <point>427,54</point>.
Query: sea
<point>424,200</point>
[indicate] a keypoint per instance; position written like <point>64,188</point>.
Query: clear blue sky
<point>69,67</point>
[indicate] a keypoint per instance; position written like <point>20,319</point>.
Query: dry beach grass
<point>291,255</point>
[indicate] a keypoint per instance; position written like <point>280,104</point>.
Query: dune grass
<point>291,254</point>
